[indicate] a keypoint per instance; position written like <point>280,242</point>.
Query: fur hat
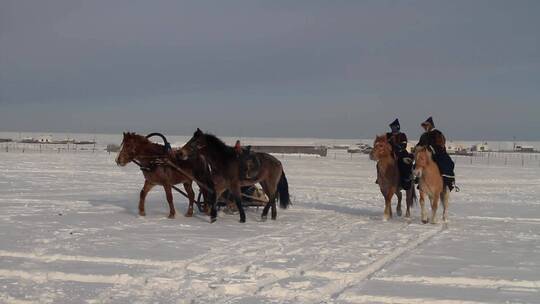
<point>395,123</point>
<point>429,121</point>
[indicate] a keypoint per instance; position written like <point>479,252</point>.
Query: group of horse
<point>426,171</point>
<point>217,169</point>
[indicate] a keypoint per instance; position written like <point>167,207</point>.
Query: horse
<point>388,177</point>
<point>431,183</point>
<point>227,173</point>
<point>148,155</point>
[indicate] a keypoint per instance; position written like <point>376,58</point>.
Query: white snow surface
<point>70,233</point>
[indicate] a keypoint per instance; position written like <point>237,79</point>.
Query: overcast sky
<point>334,69</point>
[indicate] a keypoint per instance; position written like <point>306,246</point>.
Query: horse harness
<point>152,165</point>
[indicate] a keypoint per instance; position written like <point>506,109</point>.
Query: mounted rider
<point>398,141</point>
<point>434,140</point>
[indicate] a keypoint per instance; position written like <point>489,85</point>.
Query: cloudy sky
<point>335,69</point>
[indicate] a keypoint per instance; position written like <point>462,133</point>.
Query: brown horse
<point>388,177</point>
<point>227,173</point>
<point>148,154</point>
<point>431,183</point>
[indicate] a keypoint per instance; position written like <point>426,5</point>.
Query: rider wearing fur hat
<point>398,141</point>
<point>434,140</point>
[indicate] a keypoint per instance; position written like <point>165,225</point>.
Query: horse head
<point>129,147</point>
<point>422,158</point>
<point>381,148</point>
<point>193,146</point>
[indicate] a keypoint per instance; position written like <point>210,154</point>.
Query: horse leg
<point>168,193</point>
<point>434,206</point>
<point>264,213</point>
<point>388,206</point>
<point>274,208</point>
<point>445,195</point>
<point>409,201</point>
<point>142,197</point>
<point>399,197</point>
<point>271,192</point>
<point>238,199</point>
<point>206,204</point>
<point>213,209</point>
<point>265,210</point>
<point>423,207</point>
<point>271,197</point>
<point>191,197</point>
<point>213,197</point>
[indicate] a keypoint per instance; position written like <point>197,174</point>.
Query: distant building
<point>452,148</point>
<point>45,139</point>
<point>483,147</point>
<point>521,148</point>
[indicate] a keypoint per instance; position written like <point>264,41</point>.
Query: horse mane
<point>219,146</point>
<point>143,140</point>
<point>423,149</point>
<point>380,138</point>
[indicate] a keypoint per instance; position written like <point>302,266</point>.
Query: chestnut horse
<point>431,183</point>
<point>139,149</point>
<point>226,173</point>
<point>388,177</point>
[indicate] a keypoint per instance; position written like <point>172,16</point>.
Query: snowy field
<point>70,233</point>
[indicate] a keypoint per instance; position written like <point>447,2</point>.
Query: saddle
<point>250,164</point>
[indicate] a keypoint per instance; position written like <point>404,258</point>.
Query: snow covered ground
<point>70,233</point>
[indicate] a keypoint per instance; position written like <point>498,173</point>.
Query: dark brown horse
<point>226,173</point>
<point>149,155</point>
<point>388,177</point>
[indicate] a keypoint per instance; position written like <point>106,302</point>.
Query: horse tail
<point>283,190</point>
<point>414,197</point>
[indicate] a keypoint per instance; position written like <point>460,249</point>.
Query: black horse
<point>228,174</point>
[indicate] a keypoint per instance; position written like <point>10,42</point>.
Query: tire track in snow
<point>466,282</point>
<point>336,290</point>
<point>181,272</point>
<point>307,268</point>
<point>402,300</point>
<point>47,258</point>
<point>341,281</point>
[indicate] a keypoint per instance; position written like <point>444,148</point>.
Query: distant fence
<point>316,150</point>
<point>16,147</point>
<point>498,159</point>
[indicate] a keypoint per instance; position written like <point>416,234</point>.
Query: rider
<point>434,140</point>
<point>398,141</point>
<point>238,148</point>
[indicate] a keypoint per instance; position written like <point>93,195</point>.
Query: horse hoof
<point>407,214</point>
<point>242,220</point>
<point>189,214</point>
<point>212,220</point>
<point>142,213</point>
<point>263,218</point>
<point>424,221</point>
<point>274,218</point>
<point>171,216</point>
<point>398,212</point>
